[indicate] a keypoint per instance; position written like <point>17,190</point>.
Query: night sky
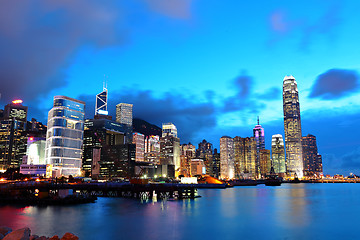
<point>210,67</point>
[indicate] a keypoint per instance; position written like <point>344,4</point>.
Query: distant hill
<point>148,129</point>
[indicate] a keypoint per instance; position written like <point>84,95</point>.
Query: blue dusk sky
<point>210,67</point>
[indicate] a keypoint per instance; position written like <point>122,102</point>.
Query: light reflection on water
<point>291,211</point>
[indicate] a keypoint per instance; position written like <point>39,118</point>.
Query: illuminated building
<point>124,113</point>
<point>101,102</point>
<point>139,141</point>
<point>12,135</point>
<point>169,129</point>
<point>152,149</point>
<point>312,161</point>
<point>170,152</point>
<point>64,138</point>
<point>245,157</point>
<point>278,154</point>
<point>100,135</point>
<point>265,161</point>
<point>205,152</point>
<point>35,151</point>
<point>216,164</point>
<point>170,147</point>
<point>197,167</point>
<point>292,127</point>
<point>227,170</point>
<point>259,136</point>
<point>187,153</point>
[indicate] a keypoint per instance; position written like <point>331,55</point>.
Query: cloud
<point>335,83</point>
<point>243,98</point>
<point>351,160</point>
<point>283,24</point>
<point>39,39</point>
<point>270,94</point>
<point>189,115</point>
<point>171,8</point>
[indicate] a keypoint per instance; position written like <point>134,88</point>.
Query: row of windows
<point>63,142</point>
<point>69,104</point>
<point>62,122</point>
<point>64,132</point>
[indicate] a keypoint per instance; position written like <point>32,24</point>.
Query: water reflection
<point>301,211</point>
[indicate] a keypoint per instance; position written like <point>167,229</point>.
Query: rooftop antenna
<point>258,120</point>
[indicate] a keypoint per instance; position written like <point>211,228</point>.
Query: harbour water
<point>290,211</point>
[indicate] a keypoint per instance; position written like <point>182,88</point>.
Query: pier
<point>126,190</point>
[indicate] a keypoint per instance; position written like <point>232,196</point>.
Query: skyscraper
<point>139,141</point>
<point>169,129</point>
<point>292,127</point>
<point>13,139</point>
<point>170,147</point>
<point>227,169</point>
<point>245,157</point>
<point>259,136</point>
<point>101,102</point>
<point>124,113</point>
<point>312,161</point>
<point>64,138</point>
<point>278,154</point>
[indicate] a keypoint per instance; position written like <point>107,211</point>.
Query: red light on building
<point>31,138</point>
<point>17,101</point>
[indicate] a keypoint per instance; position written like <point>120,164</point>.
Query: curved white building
<point>64,137</point>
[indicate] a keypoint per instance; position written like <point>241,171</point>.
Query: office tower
<point>13,138</point>
<point>169,129</point>
<point>245,157</point>
<point>101,102</point>
<point>259,136</point>
<point>187,153</point>
<point>106,153</point>
<point>292,127</point>
<point>278,154</point>
<point>310,156</point>
<point>64,138</point>
<point>227,168</point>
<point>124,113</point>
<point>152,149</point>
<point>197,167</point>
<point>170,147</point>
<point>139,141</point>
<point>205,152</point>
<point>265,162</point>
<point>318,165</point>
<point>188,150</point>
<point>216,164</point>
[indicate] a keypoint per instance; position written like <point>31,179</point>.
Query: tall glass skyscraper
<point>259,136</point>
<point>292,127</point>
<point>227,169</point>
<point>101,102</point>
<point>64,137</point>
<point>278,154</point>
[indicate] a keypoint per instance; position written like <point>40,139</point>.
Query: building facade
<point>259,136</point>
<point>169,129</point>
<point>64,138</point>
<point>139,141</point>
<point>13,137</point>
<point>278,154</point>
<point>227,166</point>
<point>124,113</point>
<point>312,164</point>
<point>292,128</point>
<point>245,152</point>
<point>265,162</point>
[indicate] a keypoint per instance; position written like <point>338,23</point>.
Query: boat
<point>272,179</point>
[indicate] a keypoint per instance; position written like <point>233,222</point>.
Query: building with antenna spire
<point>259,136</point>
<point>101,101</point>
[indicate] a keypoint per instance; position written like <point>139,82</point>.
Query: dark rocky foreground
<point>6,233</point>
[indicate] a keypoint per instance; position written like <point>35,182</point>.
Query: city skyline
<point>205,67</point>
